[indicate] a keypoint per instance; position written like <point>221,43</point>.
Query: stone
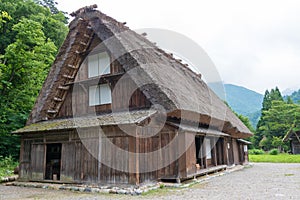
<point>121,191</point>
<point>87,189</point>
<point>112,191</point>
<point>138,192</point>
<point>62,187</point>
<point>74,189</point>
<point>95,190</point>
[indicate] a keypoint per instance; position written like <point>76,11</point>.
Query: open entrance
<point>200,152</point>
<point>209,151</point>
<point>53,160</point>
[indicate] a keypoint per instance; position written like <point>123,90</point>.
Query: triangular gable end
<point>64,70</point>
<point>132,51</point>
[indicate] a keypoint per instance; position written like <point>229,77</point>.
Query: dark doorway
<point>220,154</point>
<point>200,155</point>
<point>53,160</point>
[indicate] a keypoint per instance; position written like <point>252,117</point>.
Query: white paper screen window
<point>94,95</point>
<point>98,64</point>
<point>208,148</point>
<point>105,94</point>
<point>99,95</point>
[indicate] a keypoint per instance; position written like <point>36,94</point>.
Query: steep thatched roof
<point>173,85</point>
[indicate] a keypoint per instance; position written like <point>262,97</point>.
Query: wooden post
<point>137,149</point>
<point>225,153</point>
<point>214,152</point>
<point>132,159</point>
<point>204,153</point>
<point>99,155</point>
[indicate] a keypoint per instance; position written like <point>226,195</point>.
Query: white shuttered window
<point>99,95</point>
<point>98,64</point>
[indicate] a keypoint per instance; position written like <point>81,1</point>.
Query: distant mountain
<point>244,101</point>
<point>295,96</point>
<point>241,100</point>
<point>290,91</point>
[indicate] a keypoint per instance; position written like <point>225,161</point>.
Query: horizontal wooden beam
<point>57,99</point>
<point>71,66</point>
<point>69,77</point>
<point>63,87</point>
<point>52,111</point>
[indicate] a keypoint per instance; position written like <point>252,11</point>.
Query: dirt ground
<point>261,181</point>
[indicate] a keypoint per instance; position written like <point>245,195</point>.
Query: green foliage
<point>274,152</point>
<point>7,166</point>
<point>256,152</point>
<point>273,95</point>
<point>247,122</point>
<point>4,17</point>
<point>277,117</point>
<point>280,158</point>
<point>244,119</point>
<point>289,100</point>
<point>29,41</point>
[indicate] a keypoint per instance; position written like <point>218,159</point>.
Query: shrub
<point>7,166</point>
<point>273,152</point>
<point>256,152</point>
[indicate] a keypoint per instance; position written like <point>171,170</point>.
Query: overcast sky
<point>255,44</point>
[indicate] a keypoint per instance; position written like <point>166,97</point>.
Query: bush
<point>7,166</point>
<point>273,152</point>
<point>256,152</point>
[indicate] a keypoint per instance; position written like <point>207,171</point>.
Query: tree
<point>29,40</point>
<point>289,100</point>
<point>276,122</point>
<point>269,97</point>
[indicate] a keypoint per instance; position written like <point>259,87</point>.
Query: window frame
<point>93,101</point>
<point>98,59</point>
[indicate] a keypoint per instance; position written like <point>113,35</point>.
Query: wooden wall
<point>81,165</point>
<point>188,160</point>
<point>77,99</point>
<point>92,165</point>
<point>235,152</point>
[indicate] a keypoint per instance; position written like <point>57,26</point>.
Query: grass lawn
<point>280,158</point>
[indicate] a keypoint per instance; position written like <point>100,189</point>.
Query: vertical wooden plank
<point>214,151</point>
<point>137,168</point>
<point>68,162</point>
<point>235,152</point>
<point>204,153</point>
<point>37,161</point>
<point>132,160</point>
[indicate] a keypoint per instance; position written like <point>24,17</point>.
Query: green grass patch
<point>289,174</point>
<point>280,158</point>
<point>7,166</point>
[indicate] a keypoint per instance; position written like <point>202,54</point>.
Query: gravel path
<point>261,181</point>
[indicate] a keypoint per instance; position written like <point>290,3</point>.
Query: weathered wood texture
<point>196,154</point>
<point>235,152</point>
<point>87,157</point>
<point>127,95</point>
<point>77,102</point>
<point>295,146</point>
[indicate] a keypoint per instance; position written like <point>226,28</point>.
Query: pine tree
<point>269,97</point>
